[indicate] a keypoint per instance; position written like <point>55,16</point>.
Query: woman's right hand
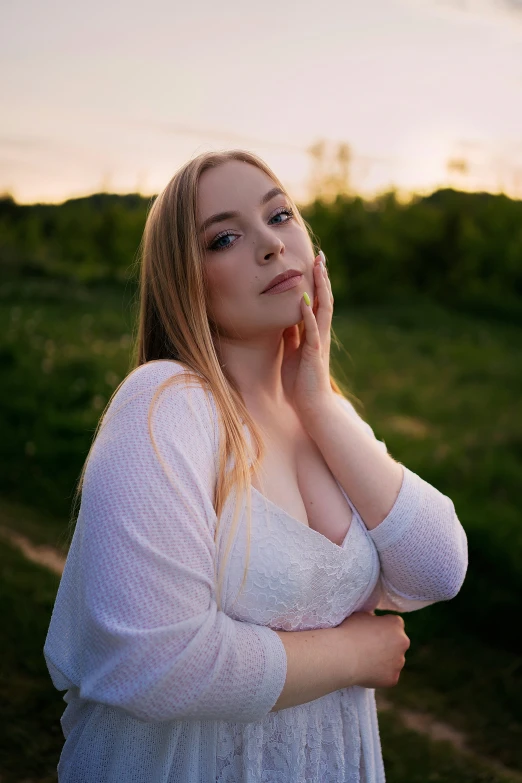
<point>375,648</point>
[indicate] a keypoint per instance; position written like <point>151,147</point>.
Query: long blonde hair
<point>173,324</point>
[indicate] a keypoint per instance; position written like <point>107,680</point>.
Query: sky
<point>105,96</point>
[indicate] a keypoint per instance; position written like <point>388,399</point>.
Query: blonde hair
<point>173,324</point>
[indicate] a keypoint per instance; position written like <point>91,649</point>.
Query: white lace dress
<point>162,687</point>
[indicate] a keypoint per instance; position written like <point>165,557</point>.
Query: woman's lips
<point>291,282</point>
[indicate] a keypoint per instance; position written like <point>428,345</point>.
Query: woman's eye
<point>283,211</point>
<point>216,246</point>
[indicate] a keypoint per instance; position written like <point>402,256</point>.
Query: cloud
<point>506,14</point>
<point>513,5</point>
<point>482,7</point>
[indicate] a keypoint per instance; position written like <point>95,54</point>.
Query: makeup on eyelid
<point>282,210</point>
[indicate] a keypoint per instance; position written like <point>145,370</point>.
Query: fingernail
<point>306,298</point>
<point>323,257</point>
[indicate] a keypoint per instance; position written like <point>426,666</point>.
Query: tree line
<point>462,249</point>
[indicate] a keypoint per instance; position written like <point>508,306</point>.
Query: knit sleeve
<point>422,548</point>
<point>421,543</point>
<point>136,624</point>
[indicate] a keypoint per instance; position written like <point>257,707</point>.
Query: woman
<point>239,522</point>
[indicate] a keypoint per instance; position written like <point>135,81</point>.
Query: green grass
<point>40,527</point>
<point>475,688</point>
<point>412,758</point>
<point>63,357</point>
<point>442,389</point>
<point>30,707</point>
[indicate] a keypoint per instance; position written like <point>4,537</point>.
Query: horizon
<point>404,198</point>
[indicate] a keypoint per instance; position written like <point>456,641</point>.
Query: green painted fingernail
<point>306,298</point>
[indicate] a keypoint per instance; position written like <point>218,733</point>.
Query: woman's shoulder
<point>185,402</point>
<point>149,376</point>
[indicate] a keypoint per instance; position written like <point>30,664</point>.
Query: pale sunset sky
<point>116,96</point>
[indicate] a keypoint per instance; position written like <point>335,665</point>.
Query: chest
<point>295,477</point>
<point>305,559</point>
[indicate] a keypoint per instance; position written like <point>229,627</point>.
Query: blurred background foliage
<point>428,308</point>
<point>461,249</point>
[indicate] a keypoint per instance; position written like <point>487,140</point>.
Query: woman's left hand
<point>305,369</point>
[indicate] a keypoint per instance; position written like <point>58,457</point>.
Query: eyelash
<point>281,210</point>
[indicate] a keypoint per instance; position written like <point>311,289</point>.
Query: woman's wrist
<point>318,663</point>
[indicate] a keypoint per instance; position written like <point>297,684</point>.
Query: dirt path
<point>424,723</point>
<point>421,722</point>
<point>43,555</point>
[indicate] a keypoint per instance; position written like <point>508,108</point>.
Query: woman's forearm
<point>317,665</point>
<point>421,543</point>
<point>370,477</point>
<point>363,650</point>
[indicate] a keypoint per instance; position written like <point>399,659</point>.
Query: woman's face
<point>244,252</point>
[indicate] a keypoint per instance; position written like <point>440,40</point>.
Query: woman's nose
<point>272,245</point>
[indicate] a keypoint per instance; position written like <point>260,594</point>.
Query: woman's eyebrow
<point>219,216</point>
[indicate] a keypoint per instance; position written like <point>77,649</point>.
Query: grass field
<point>442,390</point>
<point>31,708</point>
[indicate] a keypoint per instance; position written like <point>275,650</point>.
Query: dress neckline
<point>280,510</point>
